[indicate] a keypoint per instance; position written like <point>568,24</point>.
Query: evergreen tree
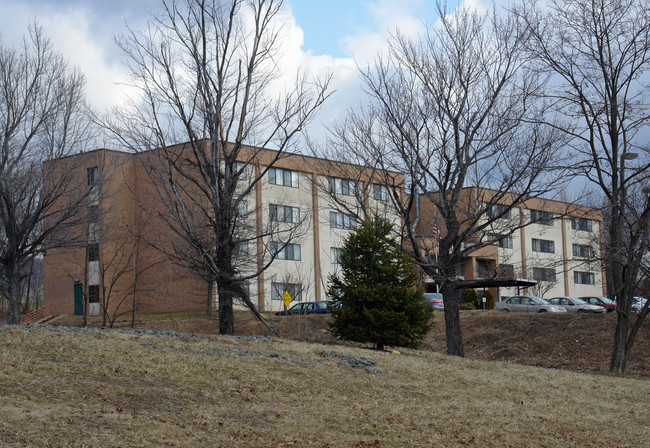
<point>375,300</point>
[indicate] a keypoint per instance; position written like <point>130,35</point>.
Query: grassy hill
<point>98,389</point>
<point>565,341</point>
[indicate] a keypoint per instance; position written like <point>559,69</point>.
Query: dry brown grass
<point>109,389</point>
<point>571,342</point>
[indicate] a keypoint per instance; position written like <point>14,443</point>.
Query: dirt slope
<point>571,342</point>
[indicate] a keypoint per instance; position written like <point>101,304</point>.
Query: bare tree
<point>118,270</point>
<point>451,111</point>
<point>42,119</point>
<point>599,52</point>
<point>207,70</point>
<point>542,287</point>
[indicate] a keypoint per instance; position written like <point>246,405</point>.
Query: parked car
<point>434,299</point>
<point>637,304</point>
<point>574,305</point>
<point>608,304</point>
<point>319,307</point>
<point>530,304</point>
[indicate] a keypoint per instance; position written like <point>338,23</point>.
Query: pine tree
<point>375,300</point>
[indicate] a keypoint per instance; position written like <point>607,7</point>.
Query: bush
<point>489,300</point>
<point>374,301</point>
<point>467,298</point>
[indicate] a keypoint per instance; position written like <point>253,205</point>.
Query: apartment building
<point>554,243</point>
<point>117,260</point>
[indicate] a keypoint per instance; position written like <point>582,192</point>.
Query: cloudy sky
<point>332,36</point>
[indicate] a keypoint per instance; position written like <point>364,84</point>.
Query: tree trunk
<point>618,363</point>
<point>13,276</point>
<point>104,310</point>
<point>226,315</point>
<point>452,320</point>
<point>210,299</point>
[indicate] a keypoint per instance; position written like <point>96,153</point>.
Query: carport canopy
<point>497,283</point>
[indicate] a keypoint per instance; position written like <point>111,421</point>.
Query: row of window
<point>289,214</point>
<point>284,251</point>
<point>284,213</point>
<point>549,275</point>
<point>544,246</point>
<point>504,241</point>
<point>502,211</point>
<point>288,252</point>
<point>336,185</point>
<point>294,290</point>
<point>280,176</point>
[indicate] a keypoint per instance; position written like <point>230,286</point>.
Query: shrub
<point>489,300</point>
<point>468,297</point>
<point>467,306</point>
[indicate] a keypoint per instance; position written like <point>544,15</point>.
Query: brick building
<point>116,262</point>
<point>555,243</point>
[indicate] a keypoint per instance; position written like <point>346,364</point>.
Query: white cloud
<point>71,34</point>
<point>344,70</point>
<point>389,17</point>
<point>104,78</point>
<point>81,35</point>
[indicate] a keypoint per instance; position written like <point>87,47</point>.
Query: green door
<point>78,300</point>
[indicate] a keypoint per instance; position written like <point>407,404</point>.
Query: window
<point>584,278</point>
<point>383,220</point>
<point>504,241</point>
<point>242,208</point>
<point>506,270</point>
<point>93,232</point>
<point>93,213</point>
<point>240,167</point>
<point>497,211</point>
<point>482,268</point>
<point>340,220</point>
<point>93,293</point>
<point>93,176</point>
<point>294,289</point>
<point>93,252</point>
<point>342,186</point>
<point>583,251</point>
<point>545,246</point>
<point>279,176</point>
<point>544,275</point>
<point>380,192</point>
<point>286,252</point>
<point>335,254</point>
<point>543,218</point>
<point>241,248</point>
<point>581,224</point>
<point>284,213</point>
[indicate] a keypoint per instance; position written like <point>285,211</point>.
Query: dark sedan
<point>319,307</point>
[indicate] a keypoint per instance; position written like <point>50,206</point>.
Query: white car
<point>637,304</point>
<point>574,305</point>
<point>530,304</point>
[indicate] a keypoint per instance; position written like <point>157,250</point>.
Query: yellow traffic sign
<point>286,298</point>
